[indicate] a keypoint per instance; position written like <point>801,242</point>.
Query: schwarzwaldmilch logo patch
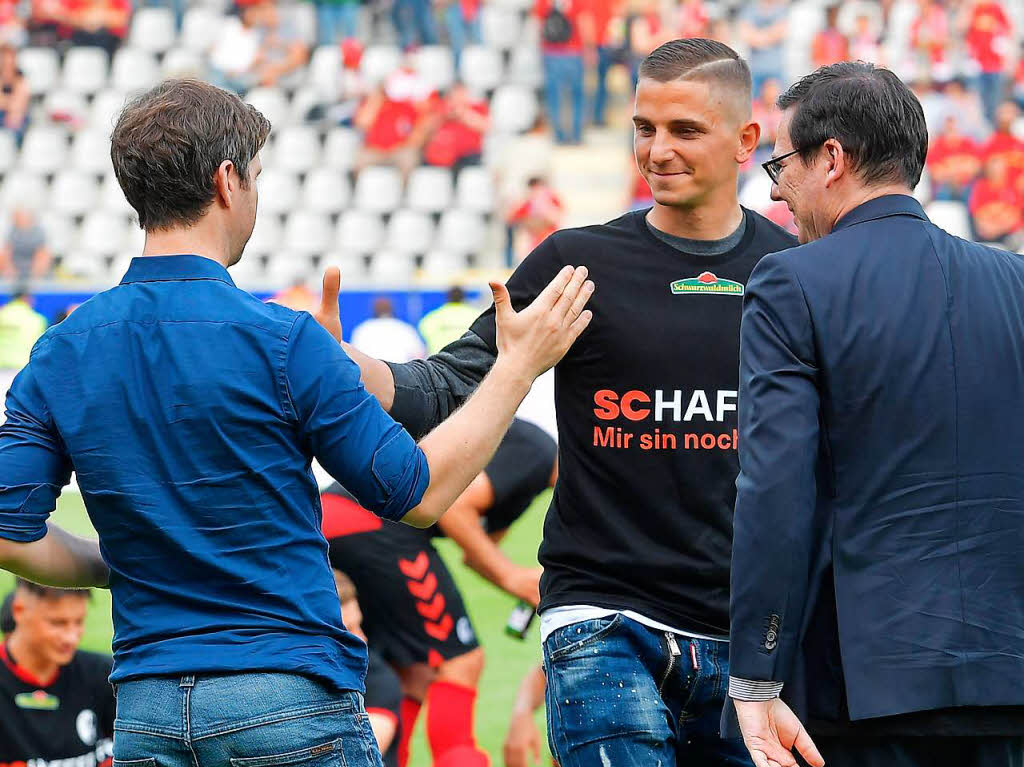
<point>707,282</point>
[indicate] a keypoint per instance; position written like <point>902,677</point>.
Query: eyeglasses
<point>774,165</point>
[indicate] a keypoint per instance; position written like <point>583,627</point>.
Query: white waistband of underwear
<point>555,618</point>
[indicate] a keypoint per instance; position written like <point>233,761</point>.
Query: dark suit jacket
<point>878,553</point>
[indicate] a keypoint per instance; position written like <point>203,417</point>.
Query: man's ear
<point>750,135</point>
<point>837,163</point>
<point>225,178</point>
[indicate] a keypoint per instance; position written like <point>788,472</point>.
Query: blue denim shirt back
<point>190,412</point>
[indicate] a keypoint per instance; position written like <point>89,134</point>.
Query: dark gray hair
<point>168,143</point>
<point>699,59</point>
<point>874,116</point>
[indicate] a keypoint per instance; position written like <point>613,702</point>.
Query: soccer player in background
<point>55,701</point>
<point>414,613</point>
<point>636,549</point>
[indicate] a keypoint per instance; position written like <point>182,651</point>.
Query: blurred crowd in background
<point>414,140</point>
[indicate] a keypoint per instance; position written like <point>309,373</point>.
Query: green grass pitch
<point>507,659</point>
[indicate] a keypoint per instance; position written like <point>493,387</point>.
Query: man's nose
<point>775,193</point>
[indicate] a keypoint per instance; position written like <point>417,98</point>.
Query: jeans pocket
<point>148,762</point>
<point>329,754</point>
<point>571,639</point>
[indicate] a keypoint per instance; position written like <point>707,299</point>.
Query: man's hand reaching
<point>771,731</point>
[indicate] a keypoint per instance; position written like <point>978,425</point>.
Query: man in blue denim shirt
<point>190,412</point>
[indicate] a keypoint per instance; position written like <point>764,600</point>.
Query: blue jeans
<point>991,88</point>
<point>240,720</point>
<point>336,22</point>
<point>605,59</point>
<point>414,22</point>
<point>564,71</point>
<point>618,694</point>
<point>461,31</point>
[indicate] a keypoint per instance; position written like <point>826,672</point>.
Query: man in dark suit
<point>877,583</point>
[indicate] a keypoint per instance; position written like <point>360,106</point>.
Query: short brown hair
<point>697,58</point>
<point>49,592</point>
<point>346,588</point>
<point>168,143</point>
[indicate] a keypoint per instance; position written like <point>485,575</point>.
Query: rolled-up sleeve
<point>34,464</point>
<point>345,427</point>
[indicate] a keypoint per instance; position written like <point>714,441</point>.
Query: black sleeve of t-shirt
<point>428,391</point>
<point>519,471</point>
<point>384,693</point>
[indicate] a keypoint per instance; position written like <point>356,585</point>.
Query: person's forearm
<point>462,524</point>
<point>376,375</point>
<point>57,559</point>
<point>531,692</point>
<point>461,446</point>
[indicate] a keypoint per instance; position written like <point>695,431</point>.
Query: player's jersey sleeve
<point>428,391</point>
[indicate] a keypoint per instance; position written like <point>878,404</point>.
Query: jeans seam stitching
<point>561,652</point>
<point>276,720</point>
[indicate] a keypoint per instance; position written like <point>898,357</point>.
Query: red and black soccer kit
<point>412,610</point>
<point>384,697</point>
<point>67,720</point>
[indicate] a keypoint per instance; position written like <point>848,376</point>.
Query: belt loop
<point>189,680</point>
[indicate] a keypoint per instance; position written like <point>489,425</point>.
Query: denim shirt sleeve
<point>34,464</point>
<point>346,429</point>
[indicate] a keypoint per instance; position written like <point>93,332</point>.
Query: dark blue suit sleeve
<point>776,488</point>
<point>347,430</point>
<point>34,464</point>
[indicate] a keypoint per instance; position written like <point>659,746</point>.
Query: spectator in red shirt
<point>930,39</point>
<point>997,210</point>
<point>954,162</point>
<point>458,139</point>
<point>567,31</point>
<point>538,216</point>
<point>1003,143</point>
<point>396,120</point>
<point>46,25</point>
<point>102,23</point>
<point>12,27</point>
<point>989,41</point>
<point>830,44</point>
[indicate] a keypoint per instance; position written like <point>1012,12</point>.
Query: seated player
<point>383,697</point>
<point>55,702</point>
<point>414,615</point>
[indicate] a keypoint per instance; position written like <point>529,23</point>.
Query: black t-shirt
<point>71,717</point>
<point>641,517</point>
<point>519,471</point>
<point>384,696</point>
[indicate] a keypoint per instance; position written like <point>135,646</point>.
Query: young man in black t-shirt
<point>636,550</point>
<point>55,701</point>
<point>414,615</point>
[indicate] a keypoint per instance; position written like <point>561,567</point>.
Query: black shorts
<point>412,610</point>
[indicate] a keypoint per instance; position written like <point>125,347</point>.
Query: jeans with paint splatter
<point>621,694</point>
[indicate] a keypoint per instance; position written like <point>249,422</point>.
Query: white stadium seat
<point>41,67</point>
<point>181,62</point>
<point>272,103</point>
<point>134,70</point>
<point>61,237</point>
<point>390,268</point>
<point>442,265</point>
<point>248,272</point>
<point>66,106</point>
<point>526,67</point>
<point>45,149</point>
<point>500,27</point>
<point>266,235</point>
<point>378,189</point>
<point>102,233</point>
<point>307,232</point>
<point>106,106</point>
<point>351,264</point>
<point>74,193</point>
<point>112,199</point>
<point>480,68</point>
<point>84,265</point>
<point>153,29</point>
<point>951,216</point>
<point>341,147</point>
<point>513,109</point>
<point>284,268</point>
<point>304,99</point>
<point>410,231</point>
<point>279,190</point>
<point>358,232</point>
<point>85,69</point>
<point>326,191</point>
<point>474,189</point>
<point>461,232</point>
<point>324,70</point>
<point>436,65</point>
<point>200,28</point>
<point>90,152</point>
<point>23,188</point>
<point>429,189</point>
<point>296,148</point>
<point>379,61</point>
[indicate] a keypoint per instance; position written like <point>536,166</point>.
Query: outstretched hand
<point>771,731</point>
<point>329,315</point>
<point>537,337</point>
